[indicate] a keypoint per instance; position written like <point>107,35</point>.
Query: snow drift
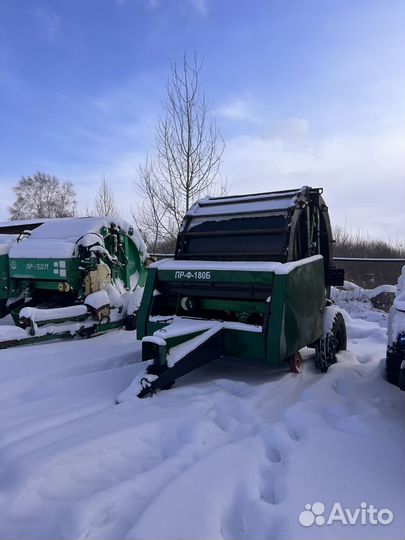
<point>234,450</point>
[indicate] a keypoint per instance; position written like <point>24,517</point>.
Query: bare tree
<point>43,196</point>
<point>185,168</point>
<point>105,202</point>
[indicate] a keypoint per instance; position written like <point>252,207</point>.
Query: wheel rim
<point>338,340</point>
<point>295,363</point>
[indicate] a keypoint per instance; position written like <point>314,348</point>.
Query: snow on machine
<point>69,276</point>
<point>395,362</point>
<point>10,232</point>
<point>250,278</point>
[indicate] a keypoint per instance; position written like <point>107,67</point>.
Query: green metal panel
<point>129,258</point>
<point>236,343</point>
<point>275,327</point>
<point>146,304</point>
<point>216,276</point>
<point>132,260</point>
<point>305,296</point>
<point>291,319</point>
<point>9,288</point>
<point>295,316</point>
<point>67,334</point>
<point>151,327</point>
<point>240,344</point>
<point>4,277</point>
<point>45,269</point>
<point>15,288</point>
<point>233,305</point>
<point>173,341</point>
<point>46,273</point>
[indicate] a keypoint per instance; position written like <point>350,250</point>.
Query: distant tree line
<point>368,274</point>
<point>44,196</point>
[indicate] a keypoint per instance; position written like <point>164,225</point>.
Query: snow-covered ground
<point>234,450</point>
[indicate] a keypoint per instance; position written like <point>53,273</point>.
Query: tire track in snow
<point>215,456</point>
<point>39,450</point>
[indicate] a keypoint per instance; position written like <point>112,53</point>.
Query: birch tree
<point>43,196</point>
<point>105,201</point>
<point>186,163</point>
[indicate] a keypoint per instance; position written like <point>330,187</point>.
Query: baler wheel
<point>392,365</point>
<point>295,363</point>
<point>130,322</point>
<point>3,308</point>
<point>332,342</point>
<point>395,366</point>
<point>339,332</point>
<point>401,378</point>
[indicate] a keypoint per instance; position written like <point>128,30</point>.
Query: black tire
<point>87,333</point>
<point>401,379</point>
<point>130,322</point>
<point>395,357</point>
<point>331,343</point>
<point>3,308</point>
<point>339,332</point>
<point>392,366</point>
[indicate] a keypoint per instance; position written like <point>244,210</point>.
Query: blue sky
<point>304,92</point>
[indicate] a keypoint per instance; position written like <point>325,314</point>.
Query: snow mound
<point>134,300</point>
<point>60,238</point>
<point>329,314</point>
<point>114,297</point>
<point>6,240</point>
<point>97,300</point>
<point>396,319</point>
<point>234,450</point>
<point>357,301</point>
<point>38,315</point>
<point>399,302</point>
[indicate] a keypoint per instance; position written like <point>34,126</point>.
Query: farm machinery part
<point>250,279</point>
<point>11,232</point>
<point>395,359</point>
<point>70,276</point>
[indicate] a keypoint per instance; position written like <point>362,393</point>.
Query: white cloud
<point>362,175</point>
<point>238,109</point>
<point>199,6</point>
<point>293,128</point>
<point>150,3</point>
<point>49,23</point>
